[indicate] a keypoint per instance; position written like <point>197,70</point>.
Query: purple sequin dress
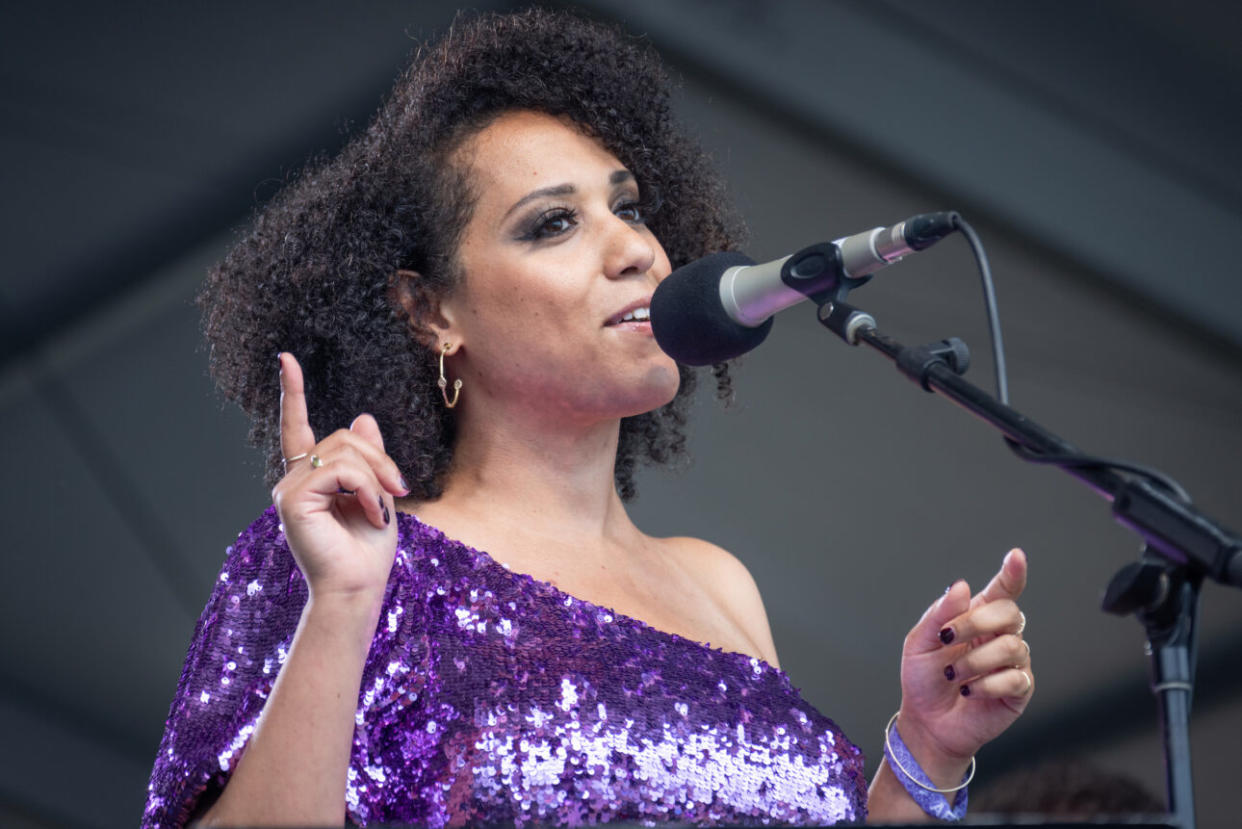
<point>491,697</point>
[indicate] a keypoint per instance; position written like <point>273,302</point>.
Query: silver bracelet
<point>919,786</point>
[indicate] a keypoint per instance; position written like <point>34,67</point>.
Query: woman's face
<point>556,259</point>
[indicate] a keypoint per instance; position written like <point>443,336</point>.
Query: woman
<point>465,369</point>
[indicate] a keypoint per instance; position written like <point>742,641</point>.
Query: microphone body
<point>751,293</point>
<point>721,306</point>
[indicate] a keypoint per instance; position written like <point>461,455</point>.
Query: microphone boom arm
<point>1182,546</point>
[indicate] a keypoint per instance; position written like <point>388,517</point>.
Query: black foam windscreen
<point>689,320</point>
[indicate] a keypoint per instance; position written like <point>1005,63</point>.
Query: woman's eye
<point>552,223</point>
<point>632,211</point>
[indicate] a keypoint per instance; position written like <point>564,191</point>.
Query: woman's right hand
<point>337,519</point>
<point>337,515</point>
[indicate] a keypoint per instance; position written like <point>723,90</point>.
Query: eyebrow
<point>615,178</point>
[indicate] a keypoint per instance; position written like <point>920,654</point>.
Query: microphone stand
<point>1181,545</point>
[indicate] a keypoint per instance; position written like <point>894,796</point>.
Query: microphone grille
<point>690,323</point>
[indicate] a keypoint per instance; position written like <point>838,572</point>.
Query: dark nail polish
<point>965,690</point>
<point>401,483</point>
<point>949,673</point>
<point>946,635</point>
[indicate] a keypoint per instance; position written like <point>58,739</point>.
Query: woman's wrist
<point>944,769</point>
<point>904,790</point>
<point>350,617</point>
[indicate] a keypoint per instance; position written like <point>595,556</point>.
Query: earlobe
<point>429,318</point>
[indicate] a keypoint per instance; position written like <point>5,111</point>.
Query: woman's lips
<point>636,325</point>
<point>639,312</point>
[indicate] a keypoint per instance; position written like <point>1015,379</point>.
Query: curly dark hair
<point>317,275</point>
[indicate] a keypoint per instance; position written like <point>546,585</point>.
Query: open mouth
<point>636,315</point>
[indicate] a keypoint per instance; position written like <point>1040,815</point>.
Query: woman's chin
<point>658,389</point>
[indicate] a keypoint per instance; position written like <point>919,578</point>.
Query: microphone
<point>719,307</point>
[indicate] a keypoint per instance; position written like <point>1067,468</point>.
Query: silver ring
<point>1029,683</point>
<point>316,461</point>
<point>1021,615</point>
<point>284,462</point>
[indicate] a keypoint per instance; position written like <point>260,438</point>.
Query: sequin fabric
<point>491,697</point>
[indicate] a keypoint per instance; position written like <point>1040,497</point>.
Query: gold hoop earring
<point>443,381</point>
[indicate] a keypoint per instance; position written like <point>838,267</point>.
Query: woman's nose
<point>629,250</point>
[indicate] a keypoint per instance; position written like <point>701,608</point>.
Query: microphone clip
<point>818,273</point>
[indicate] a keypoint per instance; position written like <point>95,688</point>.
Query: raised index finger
<point>296,436</point>
<point>1009,581</point>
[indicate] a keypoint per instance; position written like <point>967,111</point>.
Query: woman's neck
<point>535,477</point>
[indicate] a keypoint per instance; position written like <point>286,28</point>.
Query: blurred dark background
<point>1095,146</point>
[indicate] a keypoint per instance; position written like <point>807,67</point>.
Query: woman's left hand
<point>966,670</point>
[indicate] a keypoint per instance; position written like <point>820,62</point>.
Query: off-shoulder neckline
<point>549,587</point>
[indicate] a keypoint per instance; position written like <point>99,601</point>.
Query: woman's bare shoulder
<point>730,584</point>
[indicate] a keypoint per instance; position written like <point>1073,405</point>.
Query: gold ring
<point>316,461</point>
<point>286,461</point>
